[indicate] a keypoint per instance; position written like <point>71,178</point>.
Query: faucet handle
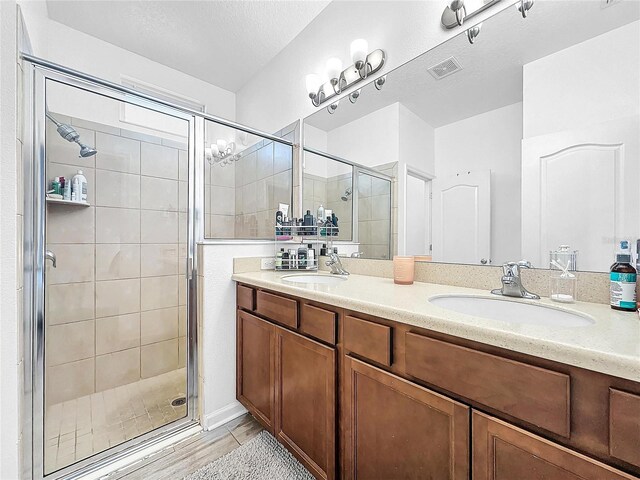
<point>525,264</point>
<point>512,269</point>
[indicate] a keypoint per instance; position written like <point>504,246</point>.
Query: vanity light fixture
<point>457,12</point>
<point>380,82</point>
<point>333,107</point>
<point>524,6</point>
<point>339,79</point>
<point>473,32</point>
<point>353,96</point>
<point>221,152</point>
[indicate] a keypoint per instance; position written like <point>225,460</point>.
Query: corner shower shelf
<point>58,201</point>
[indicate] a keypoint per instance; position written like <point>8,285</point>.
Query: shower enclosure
<point>114,195</point>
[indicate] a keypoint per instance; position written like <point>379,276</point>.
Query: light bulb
<point>359,50</point>
<point>334,69</point>
<point>214,150</point>
<point>313,84</point>
<point>222,145</point>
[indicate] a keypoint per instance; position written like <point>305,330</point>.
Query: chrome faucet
<point>512,282</point>
<point>335,264</point>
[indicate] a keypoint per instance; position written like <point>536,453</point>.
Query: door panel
<point>395,429</point>
<point>570,177</point>
<point>462,218</point>
<point>256,367</point>
<point>306,400</point>
<point>504,452</point>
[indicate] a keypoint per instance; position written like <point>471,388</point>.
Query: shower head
<point>71,135</point>
<point>86,151</point>
<point>347,194</point>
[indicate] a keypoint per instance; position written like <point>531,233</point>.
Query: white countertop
<point>611,345</point>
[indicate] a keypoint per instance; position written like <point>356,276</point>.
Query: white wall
<point>370,140</point>
<point>601,70</point>
<point>416,141</point>
<point>60,44</point>
<point>489,141</point>
<point>218,330</point>
<point>276,96</point>
<point>10,281</point>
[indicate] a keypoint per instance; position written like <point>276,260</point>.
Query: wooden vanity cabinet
<point>385,400</point>
<point>288,381</point>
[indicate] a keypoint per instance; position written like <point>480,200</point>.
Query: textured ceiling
<point>491,75</point>
<point>220,42</point>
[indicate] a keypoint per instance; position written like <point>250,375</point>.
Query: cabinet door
<point>396,429</point>
<point>256,367</point>
<point>504,452</point>
<point>306,401</point>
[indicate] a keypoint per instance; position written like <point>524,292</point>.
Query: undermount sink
<point>505,310</point>
<point>314,278</point>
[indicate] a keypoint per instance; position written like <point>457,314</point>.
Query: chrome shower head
<point>347,194</point>
<point>86,151</point>
<point>71,135</point>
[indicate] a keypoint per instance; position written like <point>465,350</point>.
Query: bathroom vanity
<point>382,384</point>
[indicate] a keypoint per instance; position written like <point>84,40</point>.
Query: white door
<point>581,188</point>
<point>462,218</point>
<point>418,208</point>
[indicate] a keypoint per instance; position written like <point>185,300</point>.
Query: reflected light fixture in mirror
<point>333,107</point>
<point>221,152</point>
<point>358,50</point>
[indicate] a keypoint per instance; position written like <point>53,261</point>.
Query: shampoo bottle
<point>623,281</point>
<point>79,185</point>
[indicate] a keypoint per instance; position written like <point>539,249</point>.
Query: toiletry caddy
<point>293,238</point>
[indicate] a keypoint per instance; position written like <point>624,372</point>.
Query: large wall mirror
<point>499,150</point>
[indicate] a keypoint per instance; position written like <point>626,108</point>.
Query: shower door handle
<point>49,255</point>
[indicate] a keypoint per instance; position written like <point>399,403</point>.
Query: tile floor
<point>79,428</point>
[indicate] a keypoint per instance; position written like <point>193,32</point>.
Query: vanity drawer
<point>624,426</point>
<point>277,308</point>
<point>318,323</point>
<point>368,339</point>
<point>246,298</point>
<point>535,395</point>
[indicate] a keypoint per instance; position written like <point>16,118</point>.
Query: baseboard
<point>223,415</point>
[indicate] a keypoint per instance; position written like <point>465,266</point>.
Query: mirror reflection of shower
<point>70,135</point>
<point>347,194</point>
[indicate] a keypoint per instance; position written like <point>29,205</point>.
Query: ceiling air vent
<point>445,68</point>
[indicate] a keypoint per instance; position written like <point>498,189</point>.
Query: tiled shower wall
<point>116,301</point>
<point>241,199</point>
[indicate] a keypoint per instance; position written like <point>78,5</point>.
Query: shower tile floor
<point>79,428</point>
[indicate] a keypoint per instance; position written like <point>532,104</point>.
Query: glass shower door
<point>115,323</point>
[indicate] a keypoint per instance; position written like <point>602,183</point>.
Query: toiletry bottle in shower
<point>79,184</point>
<point>66,191</point>
<point>311,257</point>
<point>320,214</point>
<point>623,281</point>
<point>55,186</point>
<point>302,256</point>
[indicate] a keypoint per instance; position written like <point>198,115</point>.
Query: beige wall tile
<point>70,302</point>
<point>115,189</point>
<point>98,127</point>
<point>118,368</point>
<point>158,227</point>
<point>159,325</point>
<point>117,261</point>
<point>222,226</point>
<point>183,196</point>
<point>264,164</point>
<point>69,342</point>
<point>75,263</point>
<point>117,225</point>
<point>222,201</point>
<point>158,194</point>
<point>61,151</point>
<point>159,358</point>
<point>117,333</point>
<point>282,158</point>
<point>159,161</point>
<point>158,260</point>
<point>224,177</point>
<point>182,320</point>
<point>249,197</point>
<point>282,187</point>
<point>247,167</point>
<point>182,352</point>
<point>264,194</point>
<point>70,224</point>
<point>182,227</point>
<point>183,165</point>
<point>159,292</point>
<point>182,291</point>
<point>117,297</point>
<point>117,153</point>
<point>69,380</point>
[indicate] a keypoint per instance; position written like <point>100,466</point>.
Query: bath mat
<point>260,458</point>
